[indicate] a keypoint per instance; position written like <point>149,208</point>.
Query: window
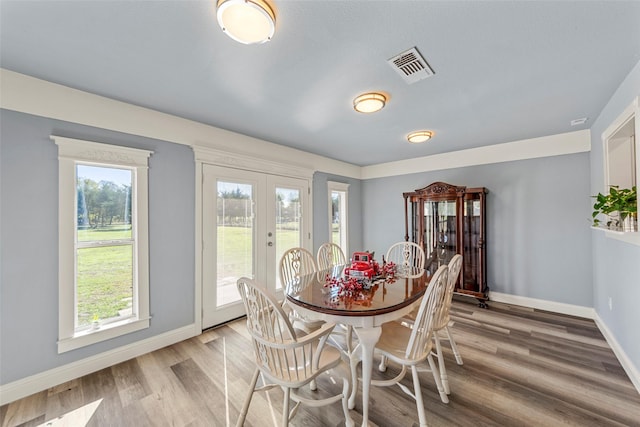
<point>338,198</point>
<point>622,161</point>
<point>103,242</point>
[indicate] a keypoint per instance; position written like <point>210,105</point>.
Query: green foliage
<point>622,201</point>
<point>234,194</point>
<point>102,203</point>
<point>104,282</point>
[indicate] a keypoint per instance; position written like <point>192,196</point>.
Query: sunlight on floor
<point>75,418</point>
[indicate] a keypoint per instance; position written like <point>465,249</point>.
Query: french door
<point>249,220</point>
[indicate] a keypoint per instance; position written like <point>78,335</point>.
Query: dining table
<point>328,295</point>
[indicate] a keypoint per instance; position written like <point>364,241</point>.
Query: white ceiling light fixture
<point>419,136</point>
<point>369,102</point>
<point>246,21</point>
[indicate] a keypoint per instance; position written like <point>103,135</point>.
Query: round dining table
<point>326,295</point>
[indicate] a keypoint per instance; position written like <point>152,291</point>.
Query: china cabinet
<point>447,220</point>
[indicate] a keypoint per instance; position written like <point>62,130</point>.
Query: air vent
<point>411,66</point>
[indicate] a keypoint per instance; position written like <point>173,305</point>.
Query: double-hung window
<point>338,202</point>
<point>103,242</point>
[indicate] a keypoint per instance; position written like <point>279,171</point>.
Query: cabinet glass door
<point>439,233</point>
<point>471,242</point>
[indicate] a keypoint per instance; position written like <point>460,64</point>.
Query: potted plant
<point>620,207</point>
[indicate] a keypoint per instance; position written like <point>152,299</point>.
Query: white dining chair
<point>285,358</point>
<point>295,263</point>
<point>329,255</point>
<point>408,257</point>
<point>411,346</point>
<point>442,321</point>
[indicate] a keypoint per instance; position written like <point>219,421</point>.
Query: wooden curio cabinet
<point>447,220</point>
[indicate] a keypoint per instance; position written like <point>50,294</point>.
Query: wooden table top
<point>314,292</point>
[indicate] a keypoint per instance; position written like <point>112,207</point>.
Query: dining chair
<point>411,346</point>
<point>329,255</point>
<point>284,358</point>
<point>442,321</point>
<point>408,257</point>
<point>295,263</point>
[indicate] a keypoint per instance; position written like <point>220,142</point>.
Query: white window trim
<point>71,151</point>
<point>631,112</point>
<point>342,187</point>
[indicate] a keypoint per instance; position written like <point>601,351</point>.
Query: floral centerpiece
<point>363,273</point>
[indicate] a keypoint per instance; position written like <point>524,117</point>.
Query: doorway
<point>249,219</point>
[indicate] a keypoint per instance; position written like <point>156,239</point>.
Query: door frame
<point>216,157</point>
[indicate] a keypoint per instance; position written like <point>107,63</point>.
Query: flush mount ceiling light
<point>246,21</point>
<point>419,136</point>
<point>369,102</point>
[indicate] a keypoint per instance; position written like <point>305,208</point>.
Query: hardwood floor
<point>522,367</point>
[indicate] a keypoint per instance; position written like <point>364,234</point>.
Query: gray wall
<point>538,236</point>
<point>321,210</point>
<point>29,239</point>
<point>616,264</point>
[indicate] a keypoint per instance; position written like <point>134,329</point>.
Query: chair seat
<point>393,343</point>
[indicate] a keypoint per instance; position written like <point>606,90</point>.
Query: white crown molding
<point>29,95</point>
<point>35,383</point>
<point>248,162</point>
<point>545,146</point>
<point>41,98</point>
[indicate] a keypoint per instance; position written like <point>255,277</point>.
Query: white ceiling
<point>504,71</point>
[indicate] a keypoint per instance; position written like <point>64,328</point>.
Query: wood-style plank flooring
<point>522,367</point>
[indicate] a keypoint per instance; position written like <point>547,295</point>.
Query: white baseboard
<point>627,364</point>
<point>44,380</point>
<point>575,310</point>
<point>540,304</point>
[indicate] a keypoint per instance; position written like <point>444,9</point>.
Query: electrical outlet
<point>610,303</point>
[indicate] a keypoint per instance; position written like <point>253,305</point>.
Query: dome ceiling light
<point>419,136</point>
<point>246,21</point>
<point>369,102</point>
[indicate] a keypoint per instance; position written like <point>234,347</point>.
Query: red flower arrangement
<point>353,286</point>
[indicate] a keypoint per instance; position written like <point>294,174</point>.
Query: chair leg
<point>443,369</point>
<point>436,378</point>
<point>382,367</point>
<point>285,406</point>
<point>418,394</point>
<point>247,401</point>
<point>348,421</point>
<point>454,347</point>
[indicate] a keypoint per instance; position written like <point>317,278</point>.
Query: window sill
<point>632,237</point>
<point>105,332</point>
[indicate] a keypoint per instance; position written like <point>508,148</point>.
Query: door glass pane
<point>235,245</point>
<point>288,223</point>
